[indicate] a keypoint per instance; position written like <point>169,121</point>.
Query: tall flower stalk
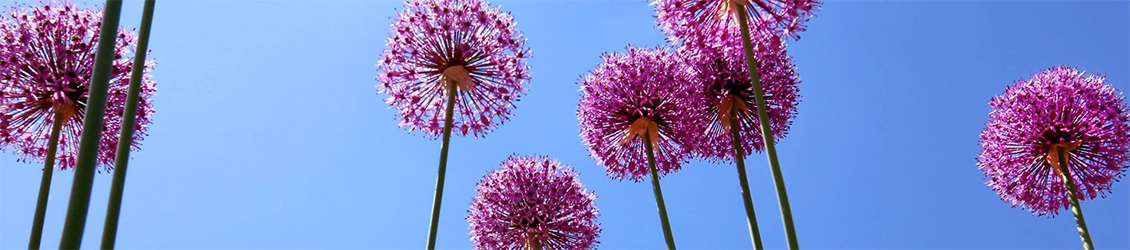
<point>732,131</point>
<point>1054,139</point>
<point>128,126</point>
<point>533,202</point>
<point>463,60</point>
<point>45,183</point>
<point>46,62</point>
<point>89,142</point>
<point>638,118</point>
<point>685,20</point>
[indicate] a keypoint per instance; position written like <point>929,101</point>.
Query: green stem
<point>91,129</point>
<point>125,140</point>
<point>739,160</point>
<point>1064,172</point>
<point>658,192</point>
<point>451,92</point>
<point>767,131</point>
<point>45,183</point>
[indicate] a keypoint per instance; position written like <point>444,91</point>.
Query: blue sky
<point>269,133</point>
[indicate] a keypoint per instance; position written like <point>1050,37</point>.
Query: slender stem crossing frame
<point>125,139</point>
<point>766,130</point>
<point>739,160</point>
<point>91,129</point>
<point>45,183</point>
<point>670,239</point>
<point>1065,172</point>
<point>451,93</point>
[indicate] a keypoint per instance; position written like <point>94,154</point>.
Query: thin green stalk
<point>658,192</point>
<point>451,92</point>
<point>1064,172</point>
<point>767,131</point>
<point>739,160</point>
<point>125,140</point>
<point>91,129</point>
<point>45,183</point>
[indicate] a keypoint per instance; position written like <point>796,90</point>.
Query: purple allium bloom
<point>686,19</point>
<point>723,75</point>
<point>468,41</point>
<point>533,198</point>
<point>1057,107</point>
<point>625,93</point>
<point>47,57</point>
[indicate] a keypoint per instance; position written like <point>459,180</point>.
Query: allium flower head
<point>722,73</point>
<point>533,199</point>
<point>46,62</point>
<point>1058,107</point>
<point>467,41</point>
<point>687,19</point>
<point>641,90</point>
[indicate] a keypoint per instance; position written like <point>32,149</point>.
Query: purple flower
<point>533,199</point>
<point>642,90</point>
<point>1059,107</point>
<point>467,41</point>
<point>722,73</point>
<point>47,57</point>
<point>687,19</point>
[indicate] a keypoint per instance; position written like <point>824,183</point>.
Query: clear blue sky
<point>269,133</point>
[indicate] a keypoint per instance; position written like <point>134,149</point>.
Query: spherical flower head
<point>687,19</point>
<point>533,198</point>
<point>46,65</point>
<point>1058,107</point>
<point>723,75</point>
<point>467,41</point>
<point>644,92</point>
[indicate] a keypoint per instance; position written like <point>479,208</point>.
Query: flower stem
<point>45,183</point>
<point>91,129</point>
<point>533,244</point>
<point>739,160</point>
<point>767,131</point>
<point>451,92</point>
<point>125,139</point>
<point>1064,172</point>
<point>658,192</point>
